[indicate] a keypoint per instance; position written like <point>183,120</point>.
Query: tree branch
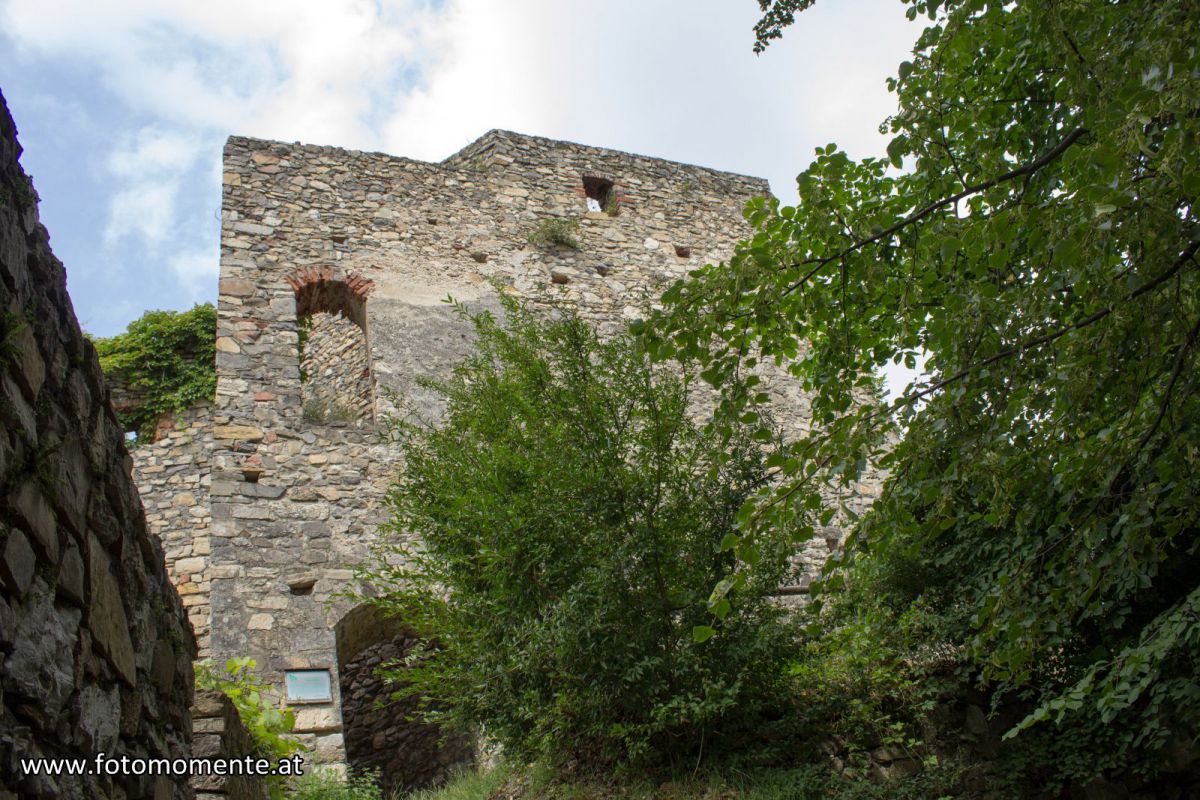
<point>1027,169</point>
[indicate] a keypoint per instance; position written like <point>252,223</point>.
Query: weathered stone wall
<point>95,648</point>
<point>336,369</point>
<point>219,733</point>
<point>173,474</point>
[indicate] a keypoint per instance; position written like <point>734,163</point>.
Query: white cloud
<point>651,78</point>
<point>197,271</point>
<point>278,68</point>
<point>145,209</point>
<point>153,150</point>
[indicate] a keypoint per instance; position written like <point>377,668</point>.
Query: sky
<point>123,106</point>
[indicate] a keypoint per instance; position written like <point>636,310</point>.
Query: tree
<point>1032,233</point>
<point>557,536</point>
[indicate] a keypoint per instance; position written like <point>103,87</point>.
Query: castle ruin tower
<point>334,266</point>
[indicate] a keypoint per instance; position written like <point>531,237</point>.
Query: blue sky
<point>123,106</point>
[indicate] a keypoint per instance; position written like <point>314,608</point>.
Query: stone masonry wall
<point>375,243</point>
<point>173,474</point>
<point>337,371</point>
<point>95,648</point>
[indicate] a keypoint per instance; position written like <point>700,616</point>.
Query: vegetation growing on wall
<point>572,521</point>
<point>1032,234</point>
<point>556,232</point>
<point>165,361</point>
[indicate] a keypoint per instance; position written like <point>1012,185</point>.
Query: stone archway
<point>381,733</point>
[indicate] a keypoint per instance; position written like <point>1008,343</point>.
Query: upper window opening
<point>599,193</point>
<point>337,386</point>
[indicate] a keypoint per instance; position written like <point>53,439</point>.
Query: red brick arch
<point>325,289</point>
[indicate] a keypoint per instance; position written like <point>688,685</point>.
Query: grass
<point>815,781</point>
<point>330,785</point>
<point>327,784</point>
<point>472,785</point>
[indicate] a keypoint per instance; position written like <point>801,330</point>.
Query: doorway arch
<point>382,733</point>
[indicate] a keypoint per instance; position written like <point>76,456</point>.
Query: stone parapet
<point>218,733</point>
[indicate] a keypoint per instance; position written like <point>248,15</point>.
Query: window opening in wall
<point>380,732</point>
<point>336,384</point>
<point>308,686</point>
<point>599,193</point>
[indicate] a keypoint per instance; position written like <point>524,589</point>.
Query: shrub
<point>325,410</point>
<point>556,232</point>
<point>166,359</point>
<point>572,522</point>
<point>265,715</point>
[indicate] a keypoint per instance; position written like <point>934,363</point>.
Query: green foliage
<point>1032,233</point>
<point>19,194</point>
<point>858,680</point>
<point>166,360</point>
<point>303,333</point>
<point>572,521</point>
<point>556,232</point>
<point>327,784</point>
<point>809,781</point>
<point>264,713</point>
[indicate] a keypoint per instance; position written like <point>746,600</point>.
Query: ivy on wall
<point>164,362</point>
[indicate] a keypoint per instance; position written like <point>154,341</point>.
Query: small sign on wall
<point>308,686</point>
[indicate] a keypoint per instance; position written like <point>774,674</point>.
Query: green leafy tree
<point>165,361</point>
<point>1032,234</point>
<point>558,534</point>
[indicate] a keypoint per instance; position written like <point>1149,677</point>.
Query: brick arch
<point>324,289</point>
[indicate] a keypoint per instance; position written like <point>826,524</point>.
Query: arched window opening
<point>381,733</point>
<point>335,365</point>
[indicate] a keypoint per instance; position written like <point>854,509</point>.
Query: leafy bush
<point>572,522</point>
<point>556,232</point>
<point>164,359</point>
<point>264,713</point>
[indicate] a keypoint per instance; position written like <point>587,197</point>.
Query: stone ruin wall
<point>173,476</point>
<point>219,733</point>
<point>95,648</point>
<point>376,242</point>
